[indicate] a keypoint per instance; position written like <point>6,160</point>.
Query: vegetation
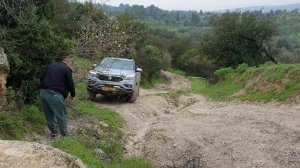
<point>103,114</point>
<point>77,147</point>
<point>87,142</point>
<point>240,38</point>
<point>146,84</point>
<point>220,39</point>
<point>268,82</point>
<point>36,33</point>
<point>33,33</point>
<point>288,43</point>
<point>98,145</point>
<point>17,124</point>
<point>186,18</point>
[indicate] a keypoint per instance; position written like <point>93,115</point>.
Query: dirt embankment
<point>195,132</point>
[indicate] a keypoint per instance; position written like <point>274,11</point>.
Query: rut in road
<point>192,131</point>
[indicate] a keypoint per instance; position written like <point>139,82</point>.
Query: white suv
<point>115,76</point>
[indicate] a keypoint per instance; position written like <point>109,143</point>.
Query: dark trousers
<point>53,106</point>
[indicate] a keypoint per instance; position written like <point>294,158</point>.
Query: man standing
<point>56,84</point>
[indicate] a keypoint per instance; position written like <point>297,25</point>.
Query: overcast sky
<point>207,5</point>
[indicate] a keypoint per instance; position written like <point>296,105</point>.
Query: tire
<point>92,96</point>
<point>135,94</point>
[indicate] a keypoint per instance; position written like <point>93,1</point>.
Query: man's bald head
<point>68,61</point>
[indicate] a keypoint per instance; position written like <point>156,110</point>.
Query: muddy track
<point>190,131</point>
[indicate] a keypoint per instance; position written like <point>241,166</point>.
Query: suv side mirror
<point>94,66</point>
<point>139,70</point>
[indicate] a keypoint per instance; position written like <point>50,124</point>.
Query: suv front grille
<point>110,78</point>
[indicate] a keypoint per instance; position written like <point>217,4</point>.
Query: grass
<point>75,147</point>
<point>177,72</point>
<point>81,92</point>
<point>268,82</point>
<point>11,126</point>
<point>14,125</point>
<point>111,117</point>
<point>158,79</point>
<point>279,82</point>
<point>221,91</point>
<point>109,140</point>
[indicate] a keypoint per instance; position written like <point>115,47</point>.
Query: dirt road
<point>190,131</point>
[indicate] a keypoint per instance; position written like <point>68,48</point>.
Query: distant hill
<point>289,7</point>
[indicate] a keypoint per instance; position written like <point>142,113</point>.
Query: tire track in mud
<point>209,134</point>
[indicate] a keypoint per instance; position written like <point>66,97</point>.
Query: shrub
<point>34,118</point>
<point>269,63</point>
<point>14,123</point>
<point>11,126</point>
<point>241,68</point>
<point>35,46</point>
<point>224,72</point>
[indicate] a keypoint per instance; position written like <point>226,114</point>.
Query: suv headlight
<point>129,78</point>
<point>93,73</point>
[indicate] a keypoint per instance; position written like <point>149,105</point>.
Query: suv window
<point>117,64</point>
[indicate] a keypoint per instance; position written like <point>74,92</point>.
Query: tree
<point>195,18</point>
<point>177,47</point>
<point>177,16</point>
<point>31,44</point>
<point>118,37</point>
<point>194,62</point>
<point>240,38</point>
<point>151,62</point>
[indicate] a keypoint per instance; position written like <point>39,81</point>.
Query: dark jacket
<point>58,78</point>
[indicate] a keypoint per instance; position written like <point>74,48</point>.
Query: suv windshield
<point>117,64</point>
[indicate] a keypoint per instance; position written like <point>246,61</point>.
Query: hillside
<point>265,9</point>
<point>268,82</point>
<point>244,116</point>
<point>194,24</point>
<point>289,24</point>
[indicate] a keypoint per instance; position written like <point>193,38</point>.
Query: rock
<point>104,124</point>
<point>4,70</point>
<point>102,155</point>
<point>15,154</point>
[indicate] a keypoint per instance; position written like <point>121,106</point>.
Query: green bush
<point>35,45</point>
<point>14,124</point>
<point>224,72</point>
<point>269,63</point>
<point>241,68</point>
<point>34,118</point>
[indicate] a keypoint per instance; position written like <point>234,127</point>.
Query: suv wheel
<point>135,94</point>
<point>92,96</point>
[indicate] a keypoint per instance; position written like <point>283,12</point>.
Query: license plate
<point>109,89</point>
